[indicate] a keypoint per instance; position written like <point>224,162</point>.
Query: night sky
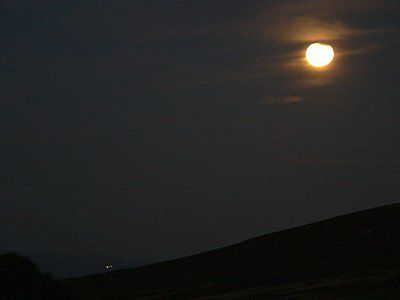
<point>155,129</point>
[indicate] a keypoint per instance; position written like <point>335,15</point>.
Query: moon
<point>319,55</point>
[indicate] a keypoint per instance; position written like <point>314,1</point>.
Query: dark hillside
<point>20,279</point>
<point>355,254</point>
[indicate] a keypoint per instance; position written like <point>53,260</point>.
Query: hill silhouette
<point>20,279</point>
<point>355,256</point>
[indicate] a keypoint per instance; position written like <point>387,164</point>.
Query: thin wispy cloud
<point>279,100</point>
<point>289,27</point>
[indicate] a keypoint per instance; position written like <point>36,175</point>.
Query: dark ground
<point>356,256</point>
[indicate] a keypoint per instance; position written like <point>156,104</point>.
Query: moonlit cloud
<point>282,100</point>
<point>291,27</point>
<point>309,29</point>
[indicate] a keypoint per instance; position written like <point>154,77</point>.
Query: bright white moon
<point>319,55</point>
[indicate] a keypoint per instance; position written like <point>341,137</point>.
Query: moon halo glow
<point>319,55</point>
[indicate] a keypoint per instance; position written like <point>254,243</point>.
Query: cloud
<point>309,29</point>
<point>285,29</point>
<point>282,100</point>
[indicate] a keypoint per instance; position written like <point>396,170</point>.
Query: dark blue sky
<point>155,129</point>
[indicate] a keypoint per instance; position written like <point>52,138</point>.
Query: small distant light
<point>109,266</point>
